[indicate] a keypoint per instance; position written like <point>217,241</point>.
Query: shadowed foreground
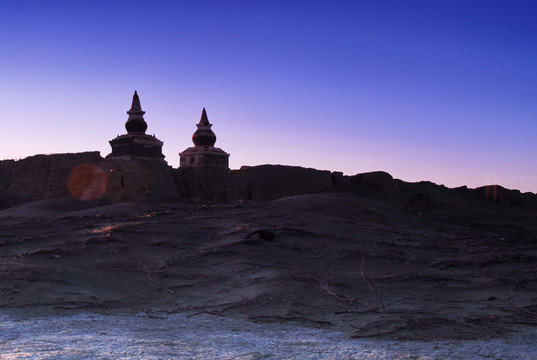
<point>364,263</point>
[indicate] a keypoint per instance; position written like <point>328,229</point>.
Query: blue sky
<point>426,90</point>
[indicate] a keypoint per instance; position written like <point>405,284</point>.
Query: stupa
<point>136,144</point>
<point>203,153</point>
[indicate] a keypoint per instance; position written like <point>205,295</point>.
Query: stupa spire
<point>136,122</point>
<point>135,105</point>
<point>204,136</point>
<point>204,120</point>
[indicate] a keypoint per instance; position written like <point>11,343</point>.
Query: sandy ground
<point>81,335</point>
<point>356,263</point>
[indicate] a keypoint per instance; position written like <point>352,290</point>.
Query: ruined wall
<point>90,177</point>
<point>135,180</point>
<point>86,176</point>
<point>377,180</point>
<point>5,169</point>
<point>40,176</point>
<point>505,197</point>
<point>264,182</point>
<point>215,184</point>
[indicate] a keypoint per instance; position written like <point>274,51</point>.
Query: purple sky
<point>444,91</point>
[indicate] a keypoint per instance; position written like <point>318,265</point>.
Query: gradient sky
<point>444,91</point>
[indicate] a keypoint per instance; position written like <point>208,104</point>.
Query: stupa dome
<point>136,122</point>
<point>204,136</point>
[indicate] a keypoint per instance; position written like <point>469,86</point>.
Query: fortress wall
<point>215,184</point>
<point>137,180</point>
<point>267,182</point>
<point>40,176</point>
<point>108,181</point>
<point>378,181</point>
<point>264,182</point>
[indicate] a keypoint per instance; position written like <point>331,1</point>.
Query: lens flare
<point>87,182</point>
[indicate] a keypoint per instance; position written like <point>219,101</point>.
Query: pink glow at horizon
<point>440,91</point>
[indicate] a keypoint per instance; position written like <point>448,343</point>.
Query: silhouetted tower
<point>203,153</point>
<point>136,144</point>
<point>136,123</point>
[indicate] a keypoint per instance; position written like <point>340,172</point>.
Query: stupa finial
<point>135,105</point>
<point>204,136</point>
<point>204,120</point>
<point>136,122</point>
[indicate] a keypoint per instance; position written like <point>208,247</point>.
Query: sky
<point>442,91</point>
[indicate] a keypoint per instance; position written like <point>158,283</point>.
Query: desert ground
<point>435,266</point>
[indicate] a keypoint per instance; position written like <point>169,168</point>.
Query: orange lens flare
<point>87,182</point>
